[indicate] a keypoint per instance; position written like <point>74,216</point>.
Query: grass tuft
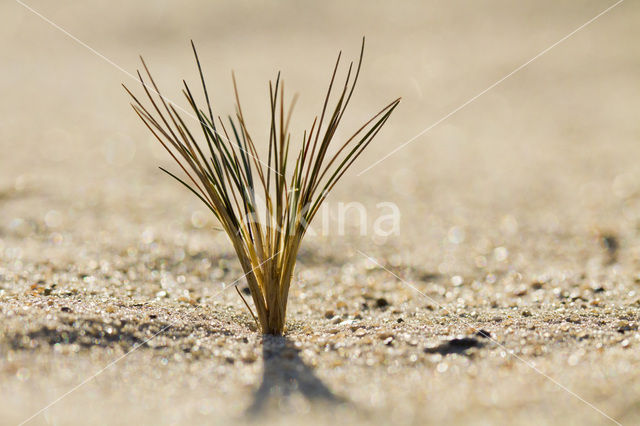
<point>264,207</point>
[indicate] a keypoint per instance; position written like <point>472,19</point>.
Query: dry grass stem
<point>263,206</point>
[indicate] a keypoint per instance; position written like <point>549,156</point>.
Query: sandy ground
<point>520,218</point>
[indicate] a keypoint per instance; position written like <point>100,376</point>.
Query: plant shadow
<point>285,376</point>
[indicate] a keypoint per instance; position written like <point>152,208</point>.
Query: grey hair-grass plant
<point>223,169</point>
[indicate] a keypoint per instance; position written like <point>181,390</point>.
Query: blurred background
<point>561,130</point>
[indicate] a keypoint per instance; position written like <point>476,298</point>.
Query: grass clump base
<point>264,205</point>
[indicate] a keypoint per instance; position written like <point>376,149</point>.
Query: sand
<point>510,295</point>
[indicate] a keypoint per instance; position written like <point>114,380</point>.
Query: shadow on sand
<point>286,375</point>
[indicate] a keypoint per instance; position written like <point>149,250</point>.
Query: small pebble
<point>537,285</point>
<point>483,333</point>
<point>457,345</point>
<point>382,302</point>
